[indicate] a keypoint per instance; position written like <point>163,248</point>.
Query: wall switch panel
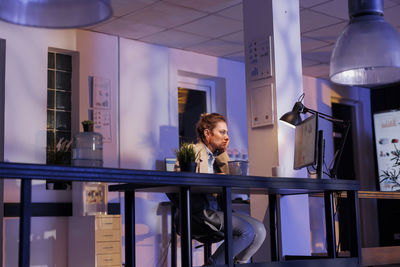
<point>261,105</point>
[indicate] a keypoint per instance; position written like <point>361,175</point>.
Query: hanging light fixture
<point>367,52</point>
<point>55,13</point>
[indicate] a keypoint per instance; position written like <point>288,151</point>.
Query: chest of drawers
<point>94,241</point>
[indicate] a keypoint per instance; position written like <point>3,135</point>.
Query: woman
<point>248,233</point>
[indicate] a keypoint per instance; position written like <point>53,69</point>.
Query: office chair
<point>207,240</point>
<point>200,232</point>
<point>203,233</point>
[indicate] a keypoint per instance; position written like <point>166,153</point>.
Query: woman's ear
<point>207,134</point>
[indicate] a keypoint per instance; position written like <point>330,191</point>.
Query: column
<point>273,85</point>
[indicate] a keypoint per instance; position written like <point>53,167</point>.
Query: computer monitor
<point>305,146</point>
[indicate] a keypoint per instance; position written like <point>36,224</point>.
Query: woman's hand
<point>223,147</point>
<point>226,145</point>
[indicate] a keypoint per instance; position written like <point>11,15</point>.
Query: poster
<point>102,124</point>
<point>259,58</point>
<point>387,136</point>
<point>101,93</point>
<point>102,107</point>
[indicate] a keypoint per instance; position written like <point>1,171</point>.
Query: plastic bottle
<point>90,198</point>
<point>87,149</point>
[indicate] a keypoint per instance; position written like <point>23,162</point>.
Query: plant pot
<point>87,127</point>
<point>188,166</point>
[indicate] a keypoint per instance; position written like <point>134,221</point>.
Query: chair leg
<point>173,238</point>
<point>207,252</point>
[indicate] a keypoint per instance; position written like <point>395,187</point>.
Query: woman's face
<point>218,138</point>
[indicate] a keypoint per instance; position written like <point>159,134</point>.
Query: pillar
<point>273,85</point>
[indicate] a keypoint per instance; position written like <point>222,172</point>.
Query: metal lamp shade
<point>367,52</point>
<point>55,13</point>
<point>293,118</point>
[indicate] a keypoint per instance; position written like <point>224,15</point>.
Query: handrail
<point>150,178</point>
<point>282,185</point>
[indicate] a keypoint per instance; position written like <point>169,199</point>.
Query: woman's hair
<point>207,121</point>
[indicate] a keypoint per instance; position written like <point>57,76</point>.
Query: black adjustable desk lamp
<point>293,118</point>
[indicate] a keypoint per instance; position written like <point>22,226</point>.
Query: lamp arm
<point>322,115</point>
<point>346,124</point>
<point>333,171</point>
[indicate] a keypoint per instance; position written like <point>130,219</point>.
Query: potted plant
<point>87,125</point>
<point>62,154</point>
<point>186,157</point>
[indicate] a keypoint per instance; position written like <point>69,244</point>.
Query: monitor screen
<point>387,136</point>
<point>305,145</point>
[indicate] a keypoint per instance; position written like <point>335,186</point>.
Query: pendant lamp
<point>55,13</point>
<point>367,52</point>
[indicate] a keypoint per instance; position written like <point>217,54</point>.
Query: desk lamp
<point>293,118</point>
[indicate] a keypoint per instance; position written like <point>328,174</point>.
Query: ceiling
<point>215,27</point>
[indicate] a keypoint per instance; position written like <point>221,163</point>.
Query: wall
<point>319,95</point>
<point>149,77</point>
<point>25,134</point>
<point>99,58</point>
<point>147,114</point>
<point>144,114</point>
<point>149,105</point>
<point>272,146</point>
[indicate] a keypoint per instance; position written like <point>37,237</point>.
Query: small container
<point>238,167</point>
<point>90,198</point>
<point>87,149</point>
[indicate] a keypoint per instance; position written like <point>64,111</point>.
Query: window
<point>193,100</point>
<point>58,108</point>
<point>59,74</point>
<point>191,103</point>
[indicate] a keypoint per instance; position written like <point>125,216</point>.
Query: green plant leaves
<point>186,153</point>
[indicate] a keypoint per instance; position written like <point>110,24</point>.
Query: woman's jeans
<point>248,235</point>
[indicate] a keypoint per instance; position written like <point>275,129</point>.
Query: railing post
<point>355,245</point>
<point>130,255</point>
<point>173,237</point>
<point>275,227</point>
<point>186,235</point>
<point>227,198</point>
<point>25,223</point>
<point>330,224</point>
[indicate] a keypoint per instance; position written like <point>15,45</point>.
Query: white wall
<point>144,105</point>
<point>273,145</point>
<point>26,96</point>
<point>99,58</point>
<point>149,104</point>
<point>149,119</point>
<point>25,131</point>
<point>146,108</point>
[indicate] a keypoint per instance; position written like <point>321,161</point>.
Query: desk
<point>226,184</point>
<point>185,183</point>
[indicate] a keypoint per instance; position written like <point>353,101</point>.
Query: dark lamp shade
<point>367,53</point>
<point>292,118</point>
<point>55,13</point>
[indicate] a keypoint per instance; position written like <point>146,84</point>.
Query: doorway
<point>346,168</point>
<point>193,100</point>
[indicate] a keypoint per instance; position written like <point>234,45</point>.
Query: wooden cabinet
<point>94,241</point>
